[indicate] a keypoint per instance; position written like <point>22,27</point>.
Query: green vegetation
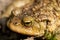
<point>50,36</point>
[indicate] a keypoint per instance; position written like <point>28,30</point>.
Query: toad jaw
<point>16,25</point>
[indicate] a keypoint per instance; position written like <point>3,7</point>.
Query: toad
<point>33,17</point>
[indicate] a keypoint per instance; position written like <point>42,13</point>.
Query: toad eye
<point>27,20</point>
<point>28,23</point>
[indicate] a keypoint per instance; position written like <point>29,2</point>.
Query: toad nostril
<point>16,23</point>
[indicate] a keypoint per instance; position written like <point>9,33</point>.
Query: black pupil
<point>27,22</point>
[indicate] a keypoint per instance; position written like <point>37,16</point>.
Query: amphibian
<point>34,17</point>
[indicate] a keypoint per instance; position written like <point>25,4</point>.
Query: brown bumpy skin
<point>16,4</point>
<point>45,15</point>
